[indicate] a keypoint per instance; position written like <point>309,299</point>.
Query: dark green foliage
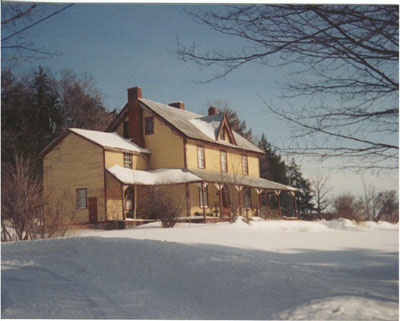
<point>30,115</point>
<point>272,167</point>
<point>37,108</point>
<point>304,196</point>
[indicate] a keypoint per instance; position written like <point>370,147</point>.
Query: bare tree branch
<point>346,55</point>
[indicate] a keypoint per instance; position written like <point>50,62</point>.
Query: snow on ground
<point>265,270</point>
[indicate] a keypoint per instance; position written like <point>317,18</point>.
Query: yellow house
<point>106,175</point>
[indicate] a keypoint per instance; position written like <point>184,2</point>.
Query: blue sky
<point>129,45</point>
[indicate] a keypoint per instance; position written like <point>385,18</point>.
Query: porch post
<point>123,201</point>
<point>259,201</point>
<point>279,203</point>
<point>239,188</point>
<point>204,201</point>
<point>187,199</point>
<point>267,201</point>
<point>219,187</point>
<point>134,204</point>
<point>294,203</point>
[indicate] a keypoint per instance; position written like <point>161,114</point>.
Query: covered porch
<point>231,195</point>
<point>207,195</point>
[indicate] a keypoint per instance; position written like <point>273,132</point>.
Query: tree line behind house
<point>39,106</point>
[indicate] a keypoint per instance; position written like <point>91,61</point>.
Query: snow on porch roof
<point>166,176</point>
<point>163,176</point>
<point>251,181</point>
<point>109,140</point>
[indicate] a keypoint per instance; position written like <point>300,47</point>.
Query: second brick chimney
<point>135,116</point>
<point>178,104</point>
<point>212,111</point>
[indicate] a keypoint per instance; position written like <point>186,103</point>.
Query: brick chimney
<point>212,111</point>
<point>178,104</point>
<point>135,116</point>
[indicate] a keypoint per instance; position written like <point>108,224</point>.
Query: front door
<point>226,201</point>
<point>92,209</point>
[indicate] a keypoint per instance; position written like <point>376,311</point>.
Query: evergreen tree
<point>304,196</point>
<point>30,115</point>
<point>43,111</point>
<point>272,167</point>
<point>38,108</point>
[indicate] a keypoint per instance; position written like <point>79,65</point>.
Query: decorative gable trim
<point>124,111</point>
<point>225,125</point>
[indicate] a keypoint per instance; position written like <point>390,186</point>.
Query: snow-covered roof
<point>256,182</point>
<point>197,126</point>
<point>109,140</point>
<point>165,176</point>
<point>209,125</point>
<point>162,176</point>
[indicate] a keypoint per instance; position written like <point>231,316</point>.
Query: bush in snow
<point>165,204</point>
<point>347,206</point>
<point>24,212</point>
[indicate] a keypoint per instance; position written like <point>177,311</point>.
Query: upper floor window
<point>127,160</point>
<point>245,165</point>
<point>201,159</point>
<point>205,203</point>
<point>149,126</point>
<point>81,198</point>
<point>126,129</point>
<point>224,162</point>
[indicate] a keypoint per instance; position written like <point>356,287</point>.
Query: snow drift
<point>222,271</point>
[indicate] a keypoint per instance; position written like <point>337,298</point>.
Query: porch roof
<point>251,181</point>
<point>168,176</point>
<point>162,176</point>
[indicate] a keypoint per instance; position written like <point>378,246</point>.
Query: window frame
<point>77,199</point>
<point>201,202</point>
<point>201,148</point>
<point>130,163</point>
<point>149,130</point>
<point>226,161</point>
<point>245,160</point>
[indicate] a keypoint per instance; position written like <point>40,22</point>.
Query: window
<point>247,198</point>
<point>245,166</point>
<point>81,196</point>
<point>201,161</point>
<point>149,126</point>
<point>127,160</point>
<point>222,135</point>
<point>126,129</point>
<point>224,164</point>
<point>205,197</point>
